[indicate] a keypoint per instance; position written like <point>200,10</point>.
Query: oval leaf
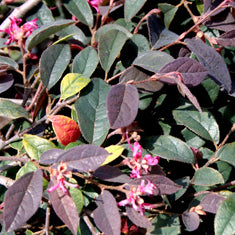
<point>8,61</point>
<point>6,81</point>
<point>131,7</point>
<point>169,147</point>
<point>212,60</point>
<point>191,220</point>
<point>65,128</point>
<point>24,192</point>
<point>227,153</point>
<point>72,83</point>
<point>106,215</point>
<point>211,202</point>
<point>207,176</point>
<point>91,110</point>
<point>53,62</point>
<point>122,105</point>
<point>35,145</point>
<point>45,31</point>
<point>50,156</point>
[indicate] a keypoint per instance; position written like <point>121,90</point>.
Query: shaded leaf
<point>207,176</point>
<point>24,192</point>
<point>8,61</point>
<point>191,71</point>
<point>227,153</point>
<point>45,31</point>
<point>131,7</point>
<point>227,39</point>
<point>224,222</point>
<point>28,167</point>
<point>50,156</point>
<point>81,10</point>
<point>6,81</point>
<point>53,62</point>
<point>35,145</point>
<point>65,128</point>
<point>83,157</point>
<point>169,147</point>
<point>4,121</point>
<point>11,110</point>
<point>86,61</point>
<point>64,207</point>
<point>115,151</point>
<point>106,215</point>
<point>191,220</point>
<point>211,60</point>
<point>122,105</point>
<point>72,83</point>
<point>91,110</point>
<point>211,202</point>
<point>137,218</point>
<point>202,123</point>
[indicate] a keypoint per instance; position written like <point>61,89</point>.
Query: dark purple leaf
<point>191,220</point>
<point>3,68</point>
<point>112,174</point>
<point>191,71</point>
<point>164,185</point>
<point>64,206</point>
<point>210,5</point>
<point>137,218</point>
<point>83,157</point>
<point>22,200</point>
<point>212,60</point>
<point>158,34</point>
<point>6,81</point>
<point>122,105</point>
<point>227,39</point>
<point>211,202</point>
<point>135,74</point>
<point>50,156</point>
<point>106,215</point>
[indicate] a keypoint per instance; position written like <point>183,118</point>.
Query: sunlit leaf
<point>211,202</point>
<point>115,151</point>
<point>28,167</point>
<point>227,153</point>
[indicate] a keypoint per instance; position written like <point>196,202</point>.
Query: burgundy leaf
<point>106,215</point>
<point>6,81</point>
<point>191,71</point>
<point>191,220</point>
<point>83,157</point>
<point>3,69</point>
<point>211,202</point>
<point>227,39</point>
<point>210,59</point>
<point>64,207</point>
<point>50,156</point>
<point>22,200</point>
<point>137,218</point>
<point>135,74</point>
<point>122,105</point>
<point>112,174</point>
<point>210,5</point>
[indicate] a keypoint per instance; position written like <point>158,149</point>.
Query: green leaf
<point>35,145</point>
<point>131,7</point>
<point>8,61</point>
<point>28,167</point>
<point>11,110</point>
<point>224,223</point>
<point>212,89</point>
<point>227,153</point>
<point>85,62</point>
<point>203,124</point>
<point>169,12</point>
<point>45,31</point>
<point>72,83</point>
<point>91,110</point>
<point>169,147</point>
<point>53,62</point>
<point>192,139</point>
<point>141,42</point>
<point>110,45</point>
<point>81,10</point>
<point>115,150</point>
<point>207,176</point>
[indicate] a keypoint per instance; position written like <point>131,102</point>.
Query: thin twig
<point>47,222</point>
<point>5,181</point>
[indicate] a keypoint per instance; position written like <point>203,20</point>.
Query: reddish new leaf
<point>22,200</point>
<point>65,128</point>
<point>191,71</point>
<point>83,157</point>
<point>191,220</point>
<point>64,207</point>
<point>211,202</point>
<point>122,105</point>
<point>106,215</point>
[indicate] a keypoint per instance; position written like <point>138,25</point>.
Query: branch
<point>5,181</point>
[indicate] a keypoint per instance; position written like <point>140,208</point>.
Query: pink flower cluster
<point>134,199</point>
<point>137,164</point>
<point>61,174</point>
<point>18,34</point>
<point>95,4</point>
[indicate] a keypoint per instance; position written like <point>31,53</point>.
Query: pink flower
<point>95,4</point>
<point>18,34</point>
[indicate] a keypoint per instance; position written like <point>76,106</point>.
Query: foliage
<point>117,116</point>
